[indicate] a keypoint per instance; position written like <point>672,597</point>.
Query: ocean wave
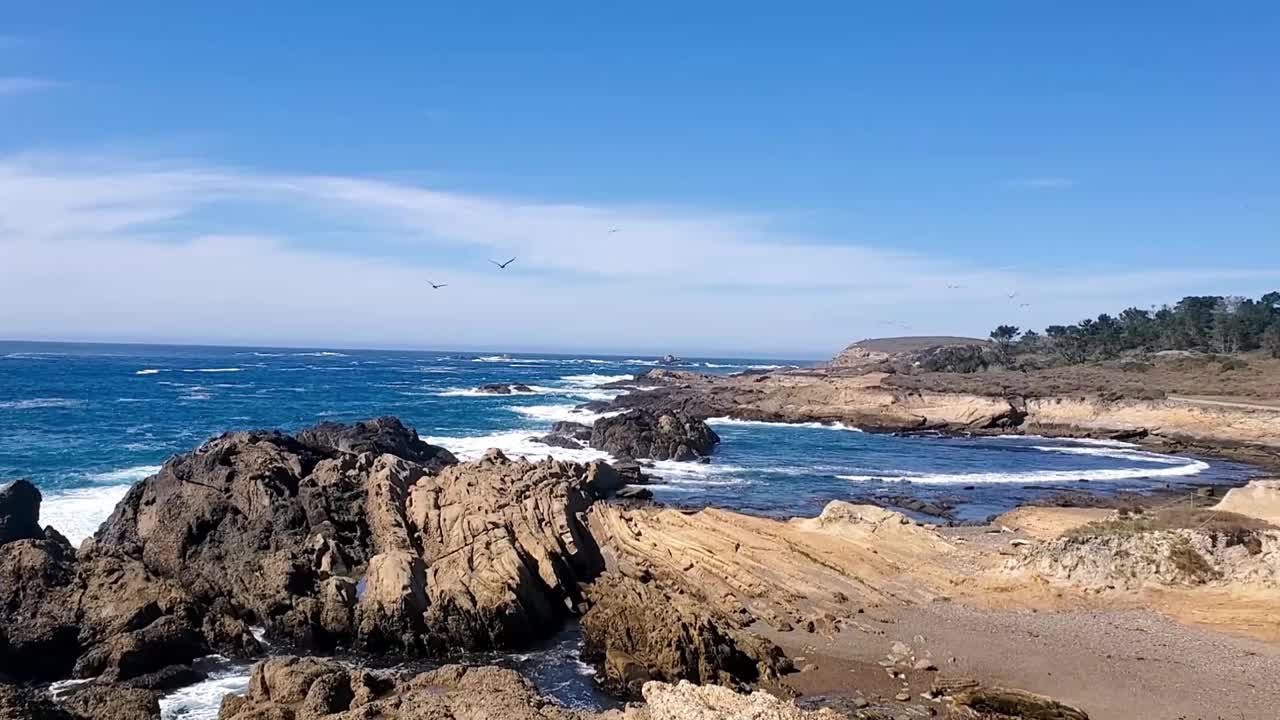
<point>212,370</point>
<point>202,700</point>
<point>325,353</point>
<point>40,403</point>
<point>1113,452</point>
<point>125,475</point>
<point>195,396</point>
<point>591,380</point>
<point>492,358</point>
<point>516,443</point>
<point>78,512</point>
<point>635,361</point>
<point>1193,467</point>
<point>149,371</point>
<point>476,392</point>
<point>558,413</point>
<point>762,423</point>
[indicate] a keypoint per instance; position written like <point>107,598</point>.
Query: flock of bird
<point>501,266</point>
<point>902,324</point>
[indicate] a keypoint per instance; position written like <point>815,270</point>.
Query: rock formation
<point>660,436</point>
<point>19,512</point>
<point>504,388</point>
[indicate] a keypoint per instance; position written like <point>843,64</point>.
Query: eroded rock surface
<point>19,512</point>
<point>660,436</point>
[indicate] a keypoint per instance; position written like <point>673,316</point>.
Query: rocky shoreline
<point>365,538</point>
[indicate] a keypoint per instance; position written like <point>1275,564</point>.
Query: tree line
<point>1205,323</point>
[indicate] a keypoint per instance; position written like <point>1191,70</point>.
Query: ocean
<point>84,422</point>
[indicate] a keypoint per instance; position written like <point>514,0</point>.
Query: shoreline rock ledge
<point>654,435</point>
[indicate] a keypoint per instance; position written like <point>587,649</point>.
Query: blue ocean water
<point>85,421</point>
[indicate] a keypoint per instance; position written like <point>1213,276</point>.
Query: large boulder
<point>19,512</point>
<point>1258,499</point>
<point>640,630</point>
<point>656,435</point>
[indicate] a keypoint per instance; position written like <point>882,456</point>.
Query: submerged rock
<point>660,436</point>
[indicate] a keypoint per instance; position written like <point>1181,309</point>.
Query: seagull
<point>503,266</point>
<point>613,230</point>
<point>1025,305</point>
<point>1013,295</point>
<point>955,287</point>
<point>435,286</point>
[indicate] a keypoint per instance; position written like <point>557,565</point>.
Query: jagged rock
<point>504,388</point>
<point>638,631</point>
<point>313,688</point>
<point>21,703</point>
<point>559,441</point>
<point>378,436</point>
<point>19,512</point>
<point>575,430</point>
<point>661,436</point>
<point>685,701</point>
<point>110,702</point>
<point>635,493</point>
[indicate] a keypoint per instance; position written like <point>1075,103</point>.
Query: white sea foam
<point>492,358</point>
<point>591,380</point>
<point>517,443</point>
<point>476,392</point>
<point>39,403</point>
<point>149,371</point>
<point>202,700</point>
<point>1193,467</point>
<point>557,413</point>
<point>694,474</point>
<point>78,512</point>
<point>125,475</point>
<point>326,353</point>
<point>212,370</point>
<point>1113,452</point>
<point>761,423</point>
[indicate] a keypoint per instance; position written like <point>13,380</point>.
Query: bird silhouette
<point>503,266</point>
<point>955,287</point>
<point>1025,305</point>
<point>435,286</point>
<point>613,230</point>
<point>1013,295</point>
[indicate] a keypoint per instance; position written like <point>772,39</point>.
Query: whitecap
<point>514,444</point>
<point>202,700</point>
<point>591,380</point>
<point>78,512</point>
<point>149,371</point>
<point>492,358</point>
<point>325,353</point>
<point>129,474</point>
<point>40,403</point>
<point>762,423</point>
<point>1193,467</point>
<point>558,413</point>
<point>212,370</point>
<point>1113,452</point>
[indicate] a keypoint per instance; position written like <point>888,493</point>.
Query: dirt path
<point>1216,402</point>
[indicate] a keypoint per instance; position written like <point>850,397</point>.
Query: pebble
<point>902,697</point>
<point>1019,542</point>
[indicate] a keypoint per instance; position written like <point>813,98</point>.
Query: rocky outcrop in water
<point>19,512</point>
<point>504,388</point>
<point>660,436</point>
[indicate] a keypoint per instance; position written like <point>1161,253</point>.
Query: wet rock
<point>19,512</point>
<point>660,436</point>
<point>314,688</point>
<point>635,493</point>
<point>380,435</point>
<point>109,702</point>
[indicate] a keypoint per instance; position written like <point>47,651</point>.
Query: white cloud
<point>99,248</point>
<point>16,85</point>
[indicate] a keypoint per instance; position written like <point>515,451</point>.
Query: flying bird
<point>503,266</point>
<point>435,286</point>
<point>1025,305</point>
<point>1013,295</point>
<point>613,230</point>
<point>955,287</point>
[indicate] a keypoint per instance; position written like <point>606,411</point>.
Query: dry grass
<point>1176,518</point>
<point>1250,376</point>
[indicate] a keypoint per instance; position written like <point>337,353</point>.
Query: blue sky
<point>782,182</point>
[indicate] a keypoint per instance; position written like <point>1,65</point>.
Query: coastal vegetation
<point>1198,323</point>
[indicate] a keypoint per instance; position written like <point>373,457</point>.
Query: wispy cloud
<point>18,85</point>
<point>1042,183</point>
<point>103,248</point>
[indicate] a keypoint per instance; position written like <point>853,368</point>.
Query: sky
<point>700,178</point>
